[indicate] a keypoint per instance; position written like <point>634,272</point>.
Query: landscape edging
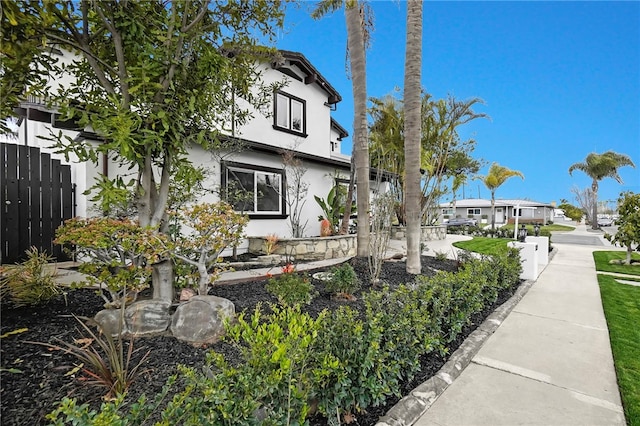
<point>411,407</point>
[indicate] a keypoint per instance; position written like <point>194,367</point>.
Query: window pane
<point>282,111</point>
<point>296,115</point>
<point>240,190</point>
<point>268,186</point>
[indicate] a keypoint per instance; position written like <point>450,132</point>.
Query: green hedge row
<point>336,364</point>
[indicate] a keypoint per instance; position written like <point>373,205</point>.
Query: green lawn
<point>621,305</point>
<point>602,259</point>
<point>483,245</point>
<point>551,228</point>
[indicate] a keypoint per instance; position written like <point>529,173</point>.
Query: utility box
<point>543,249</point>
<point>528,259</point>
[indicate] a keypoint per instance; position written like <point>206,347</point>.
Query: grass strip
<point>602,259</point>
<point>621,303</point>
<point>484,245</point>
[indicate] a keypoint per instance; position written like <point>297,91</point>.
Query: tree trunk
<point>344,228</point>
<point>493,211</point>
<point>413,131</point>
<point>594,209</point>
<point>203,282</point>
<point>162,277</point>
<point>355,44</point>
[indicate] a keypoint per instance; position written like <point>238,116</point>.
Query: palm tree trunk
<point>413,131</point>
<point>493,210</point>
<point>355,43</point>
<point>594,208</point>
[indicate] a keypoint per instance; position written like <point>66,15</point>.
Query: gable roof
<point>341,130</point>
<point>312,75</point>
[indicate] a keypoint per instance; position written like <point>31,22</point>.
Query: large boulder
<point>201,319</point>
<point>110,322</point>
<point>148,317</point>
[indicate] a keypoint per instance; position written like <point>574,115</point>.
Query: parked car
<point>461,221</point>
<point>605,221</point>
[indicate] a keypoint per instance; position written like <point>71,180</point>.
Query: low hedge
<point>338,364</point>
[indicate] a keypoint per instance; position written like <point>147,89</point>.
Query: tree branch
<point>117,44</point>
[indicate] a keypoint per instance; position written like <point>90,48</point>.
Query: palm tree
<point>493,180</point>
<point>598,167</point>
<point>358,24</point>
<point>413,132</point>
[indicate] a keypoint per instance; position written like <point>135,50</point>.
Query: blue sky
<point>559,80</point>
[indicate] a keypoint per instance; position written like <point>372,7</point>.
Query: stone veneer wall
<point>429,233</point>
<point>312,248</point>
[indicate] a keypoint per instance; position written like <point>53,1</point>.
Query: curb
<point>410,408</point>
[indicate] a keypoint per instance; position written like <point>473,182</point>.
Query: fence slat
<point>24,235</point>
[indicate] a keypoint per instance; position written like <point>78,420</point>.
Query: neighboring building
<point>505,211</point>
<point>300,120</point>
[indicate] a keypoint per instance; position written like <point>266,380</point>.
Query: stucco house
<point>300,120</point>
<point>506,211</point>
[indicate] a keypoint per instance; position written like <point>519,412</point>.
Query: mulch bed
<point>33,378</point>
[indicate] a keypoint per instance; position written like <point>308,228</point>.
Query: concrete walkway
<point>548,363</point>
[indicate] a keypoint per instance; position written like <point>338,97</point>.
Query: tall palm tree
<point>598,167</point>
<point>493,180</point>
<point>358,23</point>
<point>413,132</point>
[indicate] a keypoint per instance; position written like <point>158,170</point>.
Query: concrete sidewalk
<point>548,363</point>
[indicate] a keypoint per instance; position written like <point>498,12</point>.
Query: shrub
<point>291,288</point>
<point>343,280</point>
<point>29,283</point>
<point>347,376</point>
<point>407,330</point>
<point>271,386</point>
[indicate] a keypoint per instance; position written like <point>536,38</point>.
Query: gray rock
<point>148,317</point>
<point>110,322</point>
<point>201,319</point>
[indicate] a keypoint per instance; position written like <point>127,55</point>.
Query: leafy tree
<point>493,180</point>
<point>413,131</point>
<point>598,167</point>
<point>444,157</point>
<point>628,233</point>
<point>572,212</point>
<point>150,78</point>
<point>359,22</point>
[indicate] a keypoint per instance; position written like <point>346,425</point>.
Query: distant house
<point>300,119</point>
<point>506,211</point>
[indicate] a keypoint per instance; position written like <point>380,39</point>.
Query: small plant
<point>441,255</point>
<point>110,367</point>
<point>290,288</point>
<point>343,282</point>
<point>270,243</point>
<point>29,283</point>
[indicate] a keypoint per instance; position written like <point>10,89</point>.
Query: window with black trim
<point>254,190</point>
<point>290,114</point>
<point>473,211</point>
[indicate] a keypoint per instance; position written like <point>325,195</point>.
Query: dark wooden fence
<point>36,195</point>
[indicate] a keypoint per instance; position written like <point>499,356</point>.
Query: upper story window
<point>256,191</point>
<point>290,114</point>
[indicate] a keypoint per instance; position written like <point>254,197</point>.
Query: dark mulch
<point>34,378</point>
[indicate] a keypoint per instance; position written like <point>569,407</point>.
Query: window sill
<point>293,132</point>
<point>254,216</point>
